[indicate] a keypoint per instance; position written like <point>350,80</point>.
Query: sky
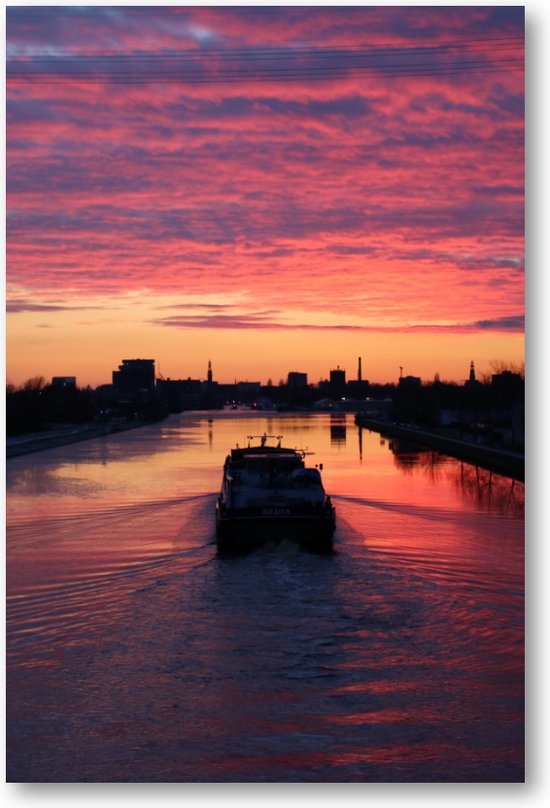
<point>272,188</point>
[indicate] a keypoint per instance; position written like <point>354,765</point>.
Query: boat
<point>269,494</point>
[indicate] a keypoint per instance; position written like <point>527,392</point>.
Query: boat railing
<point>264,438</point>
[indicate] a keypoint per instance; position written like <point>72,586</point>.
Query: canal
<point>136,654</point>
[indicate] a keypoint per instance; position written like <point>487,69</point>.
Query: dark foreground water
<point>136,654</point>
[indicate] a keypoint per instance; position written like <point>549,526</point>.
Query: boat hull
<point>238,532</point>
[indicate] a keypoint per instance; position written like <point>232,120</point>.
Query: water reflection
<point>489,491</point>
<point>337,429</point>
<point>39,481</point>
<point>137,654</point>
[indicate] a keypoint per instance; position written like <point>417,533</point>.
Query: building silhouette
<point>134,376</point>
<point>359,387</point>
<point>337,382</point>
<point>296,380</point>
<point>410,382</point>
<point>507,387</point>
<point>65,382</point>
<point>472,383</point>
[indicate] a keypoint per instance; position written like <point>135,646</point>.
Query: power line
<point>263,52</point>
<point>26,68</point>
<point>307,74</point>
<point>285,70</point>
<point>263,64</point>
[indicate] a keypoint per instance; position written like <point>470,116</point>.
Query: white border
<point>536,791</point>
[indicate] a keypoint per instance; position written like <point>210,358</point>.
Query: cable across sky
<point>211,66</point>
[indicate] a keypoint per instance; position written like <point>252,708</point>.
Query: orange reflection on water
<point>381,716</point>
<point>401,649</point>
<point>377,687</point>
<point>414,753</point>
<point>431,479</point>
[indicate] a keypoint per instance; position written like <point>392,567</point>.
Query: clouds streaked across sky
<point>345,168</point>
<point>261,320</point>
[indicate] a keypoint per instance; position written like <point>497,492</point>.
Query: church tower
<point>472,383</point>
<point>209,374</point>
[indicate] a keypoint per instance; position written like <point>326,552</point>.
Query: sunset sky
<point>275,189</point>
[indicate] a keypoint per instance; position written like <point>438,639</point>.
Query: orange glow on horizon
<point>92,352</point>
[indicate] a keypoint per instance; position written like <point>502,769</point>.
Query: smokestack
<point>359,371</point>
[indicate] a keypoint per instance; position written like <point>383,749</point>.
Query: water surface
<point>135,653</point>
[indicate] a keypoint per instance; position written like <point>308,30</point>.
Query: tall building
<point>134,376</point>
<point>507,387</point>
<point>338,382</point>
<point>295,380</point>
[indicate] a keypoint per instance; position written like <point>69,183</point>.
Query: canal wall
<point>509,464</point>
<point>39,441</point>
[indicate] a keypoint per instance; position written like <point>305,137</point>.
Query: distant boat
<point>268,494</point>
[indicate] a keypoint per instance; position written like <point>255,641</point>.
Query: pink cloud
<point>403,197</point>
<point>261,321</point>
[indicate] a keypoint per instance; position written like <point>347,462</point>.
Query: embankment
<point>38,441</point>
<point>509,464</point>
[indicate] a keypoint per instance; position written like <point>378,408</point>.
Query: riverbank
<point>510,464</point>
<point>39,441</point>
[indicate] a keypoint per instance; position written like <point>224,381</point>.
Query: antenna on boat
<point>263,439</point>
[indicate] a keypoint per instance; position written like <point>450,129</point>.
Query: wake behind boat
<point>268,494</point>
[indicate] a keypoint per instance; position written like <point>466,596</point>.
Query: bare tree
<point>34,385</point>
<point>500,365</point>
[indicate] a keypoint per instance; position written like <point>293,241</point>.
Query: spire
<point>472,371</point>
<point>359,378</point>
<point>209,375</point>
